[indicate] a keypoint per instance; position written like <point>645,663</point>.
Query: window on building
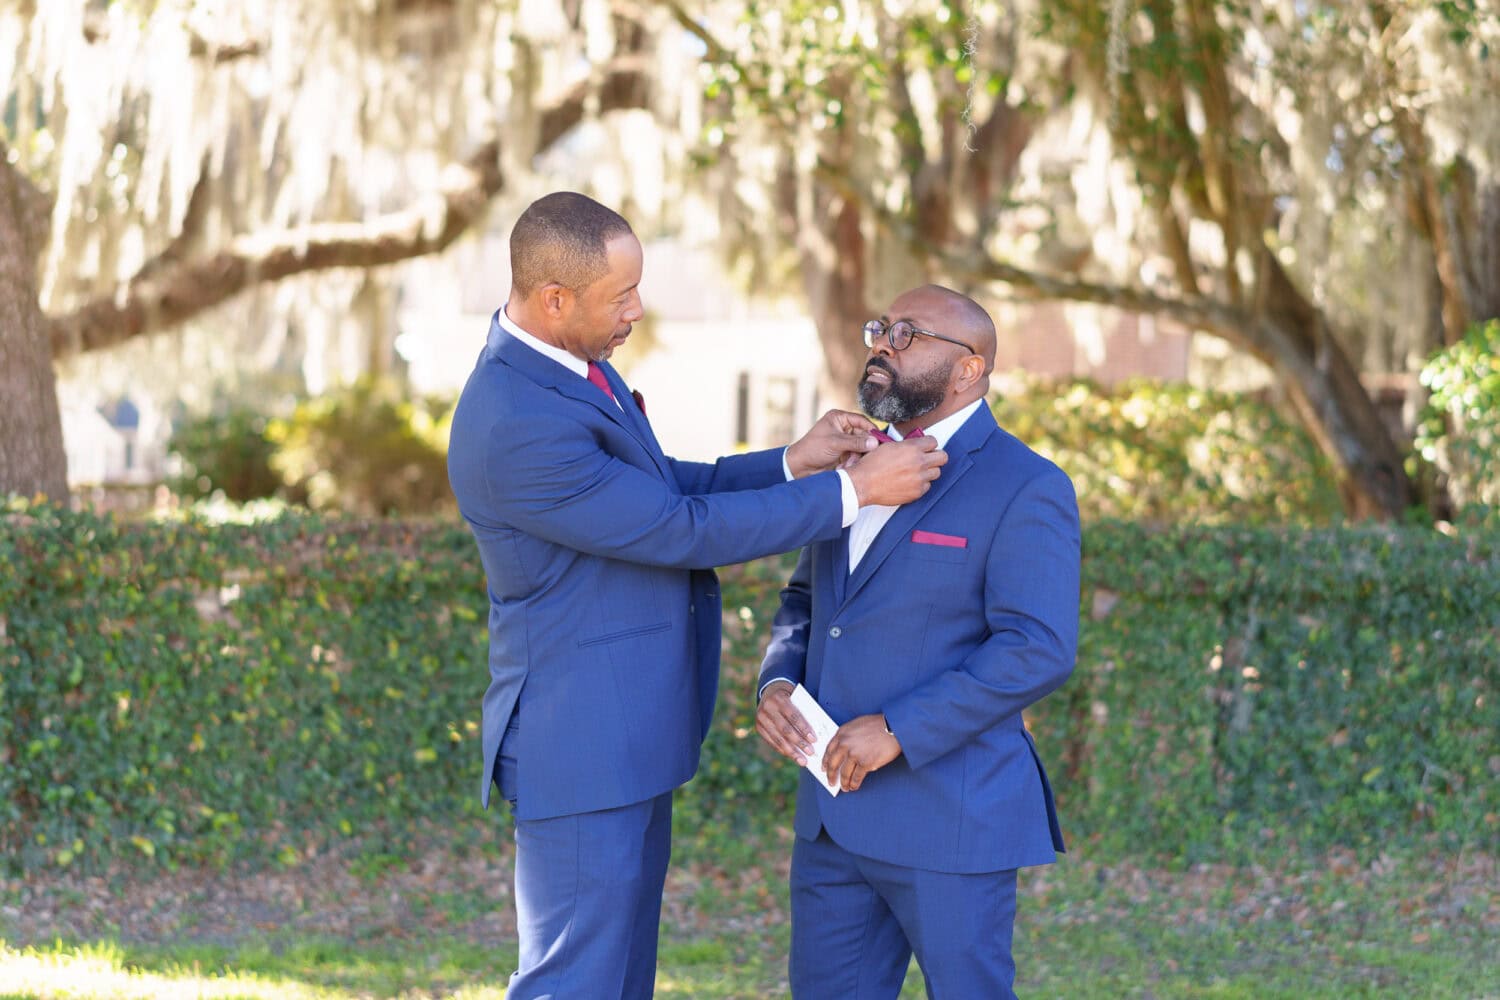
<point>742,410</point>
<point>780,409</point>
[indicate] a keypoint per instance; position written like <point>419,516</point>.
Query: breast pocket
<point>937,546</point>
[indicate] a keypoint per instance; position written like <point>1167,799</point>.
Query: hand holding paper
<point>824,729</point>
<point>795,725</point>
<point>780,724</point>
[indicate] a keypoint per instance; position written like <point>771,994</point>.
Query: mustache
<point>882,364</point>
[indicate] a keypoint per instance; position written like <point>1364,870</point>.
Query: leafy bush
<point>189,692</point>
<point>366,450</point>
<point>362,449</point>
<point>1169,452</point>
<point>1459,430</point>
<point>183,692</point>
<point>225,452</point>
<point>1253,687</point>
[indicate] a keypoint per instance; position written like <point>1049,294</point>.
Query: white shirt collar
<point>562,357</point>
<point>945,428</point>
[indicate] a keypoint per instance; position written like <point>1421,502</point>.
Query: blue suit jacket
<point>951,641</point>
<point>598,552</point>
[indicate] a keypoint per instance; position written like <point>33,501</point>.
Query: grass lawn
<point>442,927</point>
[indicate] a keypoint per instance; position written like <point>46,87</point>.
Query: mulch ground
<point>467,896</point>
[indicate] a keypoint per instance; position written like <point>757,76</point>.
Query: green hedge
<point>194,693</point>
<point>1259,687</point>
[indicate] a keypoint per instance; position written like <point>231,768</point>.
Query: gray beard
<point>903,399</point>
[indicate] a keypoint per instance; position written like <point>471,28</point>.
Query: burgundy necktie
<point>882,436</point>
<point>596,376</point>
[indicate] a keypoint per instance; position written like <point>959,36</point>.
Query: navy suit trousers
<point>856,923</point>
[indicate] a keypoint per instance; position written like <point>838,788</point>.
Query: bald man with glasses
<point>924,632</point>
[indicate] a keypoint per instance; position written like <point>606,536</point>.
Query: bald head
<point>952,313</point>
<point>562,238</point>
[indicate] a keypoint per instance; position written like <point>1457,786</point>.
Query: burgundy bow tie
<point>883,437</point>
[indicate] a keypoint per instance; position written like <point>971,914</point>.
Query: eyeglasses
<point>900,333</point>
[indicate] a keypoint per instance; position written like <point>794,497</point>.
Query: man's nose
<point>636,310</point>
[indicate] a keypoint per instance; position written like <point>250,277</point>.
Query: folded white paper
<point>823,729</point>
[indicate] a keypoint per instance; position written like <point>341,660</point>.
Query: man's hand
<point>834,439</point>
<point>898,472</point>
<point>781,725</point>
<point>860,746</point>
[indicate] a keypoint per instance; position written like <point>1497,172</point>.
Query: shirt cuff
<point>851,498</point>
<point>762,692</point>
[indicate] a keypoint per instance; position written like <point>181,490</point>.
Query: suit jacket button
<point>692,609</point>
<point>835,632</point>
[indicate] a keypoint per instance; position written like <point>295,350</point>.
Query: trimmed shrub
<point>1241,688</point>
<point>193,692</point>
<point>363,449</point>
<point>183,692</point>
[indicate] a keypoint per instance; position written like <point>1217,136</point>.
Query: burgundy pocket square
<point>933,538</point>
<point>640,400</point>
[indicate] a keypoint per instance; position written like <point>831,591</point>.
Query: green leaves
<point>1170,452</point>
<point>1270,687</point>
<point>1459,430</point>
<point>179,692</point>
<point>363,449</point>
<point>174,693</point>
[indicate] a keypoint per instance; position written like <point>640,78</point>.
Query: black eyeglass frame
<point>900,334</point>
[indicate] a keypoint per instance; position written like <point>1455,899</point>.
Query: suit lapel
<point>968,439</point>
<point>630,415</point>
<point>634,415</point>
<point>546,372</point>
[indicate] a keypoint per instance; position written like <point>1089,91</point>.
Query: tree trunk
<point>32,460</point>
<point>832,248</point>
<point>1293,337</point>
<point>1472,206</point>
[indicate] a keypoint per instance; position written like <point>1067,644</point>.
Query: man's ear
<point>970,373</point>
<point>557,300</point>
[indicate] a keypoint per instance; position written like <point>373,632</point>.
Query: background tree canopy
<point>1316,183</point>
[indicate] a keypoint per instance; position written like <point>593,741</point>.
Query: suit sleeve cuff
<point>762,692</point>
<point>849,498</point>
<point>918,750</point>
